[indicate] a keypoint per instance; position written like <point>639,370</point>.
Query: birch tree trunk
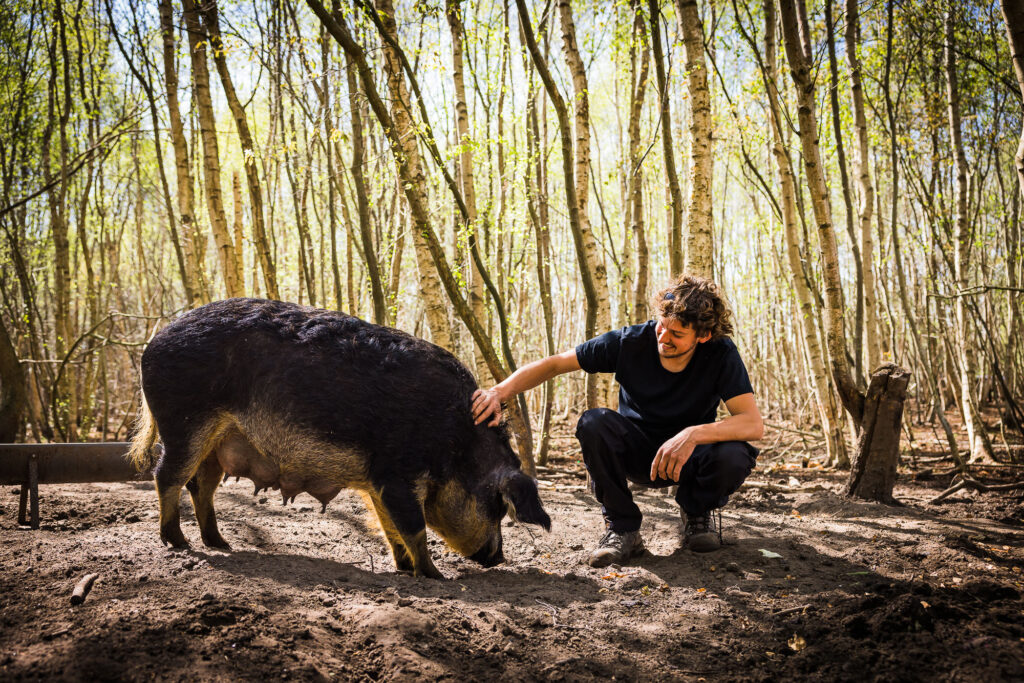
<point>259,232</point>
<point>635,192</point>
<point>797,53</point>
<point>380,315</point>
<point>844,178</point>
<point>862,169</point>
<point>403,143</point>
<point>831,420</point>
<point>537,205</point>
<point>193,242</point>
<point>1013,14</point>
<point>699,234</point>
<point>598,385</point>
<point>468,186</point>
<point>57,202</point>
<point>586,272</point>
<point>411,169</point>
<point>675,195</point>
<point>211,155</point>
<point>976,436</point>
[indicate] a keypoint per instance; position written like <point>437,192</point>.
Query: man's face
<point>676,339</point>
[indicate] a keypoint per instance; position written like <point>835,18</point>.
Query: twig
<point>791,610</point>
<point>82,588</point>
<point>791,430</point>
<point>553,610</point>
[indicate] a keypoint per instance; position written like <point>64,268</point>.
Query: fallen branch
<point>961,482</point>
<point>779,488</point>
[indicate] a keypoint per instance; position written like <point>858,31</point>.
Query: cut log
<point>873,471</point>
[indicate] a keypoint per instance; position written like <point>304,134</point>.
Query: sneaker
<point>617,548</point>
<point>702,533</point>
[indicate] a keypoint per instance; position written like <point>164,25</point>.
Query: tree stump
<point>873,471</point>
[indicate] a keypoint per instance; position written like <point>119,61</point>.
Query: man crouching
<point>672,372</point>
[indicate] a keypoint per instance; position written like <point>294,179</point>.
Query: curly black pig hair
<point>695,302</point>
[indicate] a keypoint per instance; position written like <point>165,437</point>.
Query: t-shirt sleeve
<point>733,379</point>
<point>600,354</point>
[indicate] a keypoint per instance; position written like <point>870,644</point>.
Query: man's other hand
<point>673,454</point>
<point>486,403</point>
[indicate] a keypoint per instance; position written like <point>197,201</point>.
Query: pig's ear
<point>520,492</point>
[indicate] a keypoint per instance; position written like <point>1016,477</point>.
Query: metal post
<point>33,490</point>
<point>23,505</point>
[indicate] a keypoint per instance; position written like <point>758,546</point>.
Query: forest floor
<point>809,585</point>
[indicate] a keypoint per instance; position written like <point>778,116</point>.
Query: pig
<point>308,400</point>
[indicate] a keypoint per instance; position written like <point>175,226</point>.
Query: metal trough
<point>32,464</point>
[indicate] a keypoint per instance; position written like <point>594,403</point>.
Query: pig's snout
<point>490,553</point>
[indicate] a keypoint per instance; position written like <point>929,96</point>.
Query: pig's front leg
<point>399,508</point>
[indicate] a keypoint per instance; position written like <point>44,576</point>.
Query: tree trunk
<point>380,315</point>
<point>976,435</point>
<point>57,201</point>
<point>837,130</point>
<point>1013,14</point>
<point>211,155</point>
<point>862,169</point>
<point>800,69</point>
<point>675,195</point>
<point>873,473</point>
<point>598,385</point>
<point>635,192</point>
<point>537,205</point>
<point>13,393</point>
<point>406,153</point>
<point>831,421</point>
<point>236,195</point>
<point>410,169</point>
<point>466,171</point>
<point>700,245</point>
<point>259,232</point>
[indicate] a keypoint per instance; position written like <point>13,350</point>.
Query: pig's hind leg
<point>202,486</point>
<point>170,476</point>
<point>400,510</point>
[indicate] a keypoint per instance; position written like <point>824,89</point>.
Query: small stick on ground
<point>791,610</point>
<point>82,589</point>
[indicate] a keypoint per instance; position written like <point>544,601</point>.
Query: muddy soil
<point>810,585</point>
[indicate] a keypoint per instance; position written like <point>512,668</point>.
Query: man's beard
<point>675,353</point>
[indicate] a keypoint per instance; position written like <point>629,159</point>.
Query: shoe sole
<point>701,544</point>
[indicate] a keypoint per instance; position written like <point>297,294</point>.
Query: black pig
<point>303,399</point>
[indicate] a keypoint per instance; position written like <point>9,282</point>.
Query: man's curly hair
<point>695,302</point>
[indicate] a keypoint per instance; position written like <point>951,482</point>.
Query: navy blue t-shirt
<point>661,402</point>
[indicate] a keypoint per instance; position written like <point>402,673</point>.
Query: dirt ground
<point>810,585</point>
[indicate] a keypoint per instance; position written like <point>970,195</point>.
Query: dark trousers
<point>617,451</point>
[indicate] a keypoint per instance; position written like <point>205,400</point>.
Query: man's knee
<point>732,461</point>
<point>594,423</point>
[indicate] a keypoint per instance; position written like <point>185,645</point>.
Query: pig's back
<point>347,379</point>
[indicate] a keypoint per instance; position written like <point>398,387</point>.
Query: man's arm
<point>487,402</point>
<point>743,424</point>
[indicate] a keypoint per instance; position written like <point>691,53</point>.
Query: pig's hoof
<point>430,571</point>
<point>175,540</point>
<point>217,542</point>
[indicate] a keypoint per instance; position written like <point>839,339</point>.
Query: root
<point>961,482</point>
